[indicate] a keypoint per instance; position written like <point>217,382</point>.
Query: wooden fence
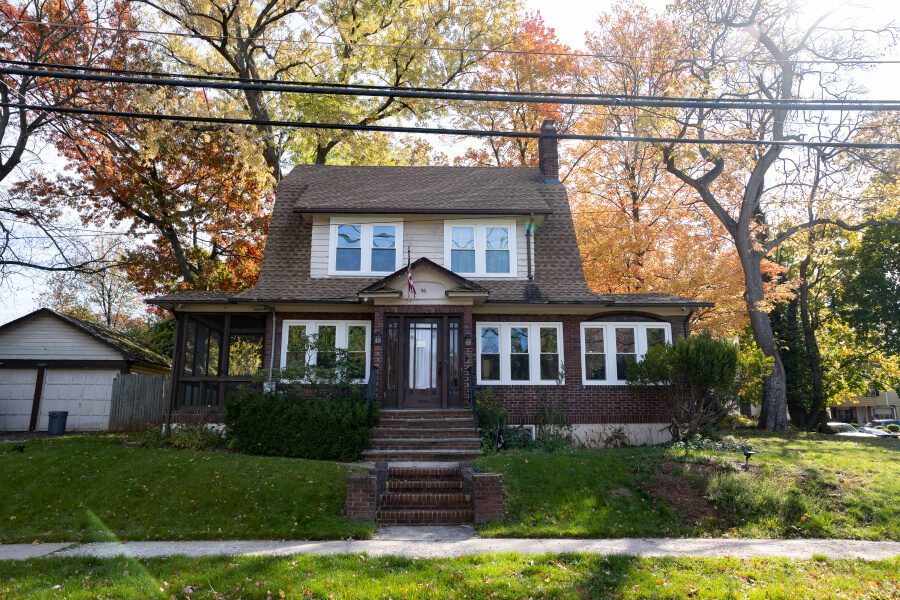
<point>137,400</point>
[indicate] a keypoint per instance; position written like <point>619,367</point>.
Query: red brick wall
<point>592,404</point>
<point>361,498</point>
<point>487,497</point>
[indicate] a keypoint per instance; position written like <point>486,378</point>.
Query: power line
<point>853,105</point>
<point>459,49</point>
<point>452,132</point>
<point>360,86</point>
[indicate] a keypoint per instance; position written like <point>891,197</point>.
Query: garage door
<point>16,398</point>
<point>84,393</point>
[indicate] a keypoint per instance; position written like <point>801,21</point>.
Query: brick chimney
<point>548,154</point>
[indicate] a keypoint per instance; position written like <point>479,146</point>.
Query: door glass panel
<point>393,348</point>
<point>490,353</point>
<point>625,351</point>
<point>594,354</point>
<point>349,248</point>
<point>423,356</point>
<point>325,345</point>
<point>518,360</point>
<point>453,359</point>
<point>384,239</point>
<point>462,249</point>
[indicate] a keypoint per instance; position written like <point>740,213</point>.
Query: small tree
<point>702,378</point>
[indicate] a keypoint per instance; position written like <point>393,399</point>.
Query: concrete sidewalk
<point>440,542</point>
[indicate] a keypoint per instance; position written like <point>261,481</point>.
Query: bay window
<point>519,353</point>
<point>608,348</point>
<point>483,249</point>
<point>358,248</point>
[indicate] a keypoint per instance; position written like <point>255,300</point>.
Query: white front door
<point>16,398</point>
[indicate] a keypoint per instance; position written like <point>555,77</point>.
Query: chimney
<point>548,154</point>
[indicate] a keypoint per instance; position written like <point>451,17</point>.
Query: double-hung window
<point>519,353</point>
<point>480,249</point>
<point>608,348</point>
<point>354,336</point>
<point>358,248</point>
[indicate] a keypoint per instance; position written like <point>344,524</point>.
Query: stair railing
<point>472,396</point>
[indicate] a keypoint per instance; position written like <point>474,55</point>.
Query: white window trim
<point>609,346</point>
<point>534,352</point>
<point>480,267</point>
<point>365,246</point>
<point>341,338</point>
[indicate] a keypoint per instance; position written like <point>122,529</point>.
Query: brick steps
<point>425,496</point>
<point>425,435</point>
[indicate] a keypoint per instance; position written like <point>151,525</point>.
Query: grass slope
<point>92,488</point>
<point>801,485</point>
<point>473,577</point>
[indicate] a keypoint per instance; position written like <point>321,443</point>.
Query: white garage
<point>54,362</point>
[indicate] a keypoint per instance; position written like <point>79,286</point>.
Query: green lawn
<point>92,488</point>
<point>801,485</point>
<point>488,576</point>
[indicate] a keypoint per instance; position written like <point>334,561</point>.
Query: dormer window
<point>359,248</point>
<point>480,249</point>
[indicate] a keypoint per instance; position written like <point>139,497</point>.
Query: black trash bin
<point>57,422</point>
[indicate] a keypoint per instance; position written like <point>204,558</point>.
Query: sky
<point>570,19</point>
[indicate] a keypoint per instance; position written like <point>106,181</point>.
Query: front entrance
<point>423,366</point>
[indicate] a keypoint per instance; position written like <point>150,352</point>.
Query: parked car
<point>878,432</point>
<point>846,429</point>
<point>882,422</point>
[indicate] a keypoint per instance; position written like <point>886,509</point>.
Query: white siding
<point>47,338</point>
<point>16,398</point>
<point>84,393</point>
<point>423,234</point>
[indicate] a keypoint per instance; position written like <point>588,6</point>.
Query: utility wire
<point>451,95</point>
<point>442,131</point>
<point>599,57</point>
<point>215,78</point>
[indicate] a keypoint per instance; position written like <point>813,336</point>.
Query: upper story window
<point>484,249</point>
<point>358,248</point>
<point>608,348</point>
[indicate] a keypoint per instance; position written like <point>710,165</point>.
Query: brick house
<point>500,298</point>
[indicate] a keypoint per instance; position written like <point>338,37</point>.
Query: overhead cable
<point>452,132</point>
<point>452,95</point>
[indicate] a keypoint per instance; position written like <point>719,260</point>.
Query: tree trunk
<point>773,415</point>
<point>812,348</point>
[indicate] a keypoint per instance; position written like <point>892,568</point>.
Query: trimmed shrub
<point>893,428</point>
<point>284,423</point>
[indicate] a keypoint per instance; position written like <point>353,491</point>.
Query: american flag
<point>411,289</point>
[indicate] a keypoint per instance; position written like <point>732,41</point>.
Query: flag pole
<point>408,273</point>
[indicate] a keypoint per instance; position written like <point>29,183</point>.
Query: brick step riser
<point>426,487</point>
<point>427,424</point>
<point>425,505</point>
<point>431,496</point>
<point>389,432</point>
<point>426,517</point>
<point>424,456</point>
<point>425,446</point>
<point>421,473</point>
<point>426,414</point>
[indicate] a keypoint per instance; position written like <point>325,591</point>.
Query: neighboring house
<point>50,361</point>
<point>499,287</point>
<point>862,409</point>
